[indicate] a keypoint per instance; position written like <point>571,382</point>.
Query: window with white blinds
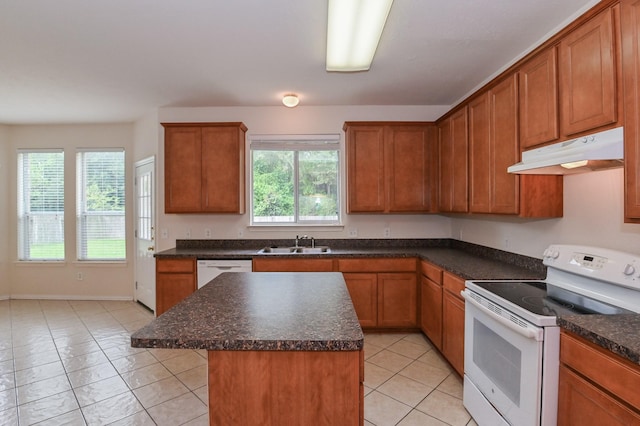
<point>41,205</point>
<point>100,205</point>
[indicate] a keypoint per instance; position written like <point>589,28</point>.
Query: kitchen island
<point>283,348</point>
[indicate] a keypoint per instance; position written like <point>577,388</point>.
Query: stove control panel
<point>597,263</point>
<point>589,260</point>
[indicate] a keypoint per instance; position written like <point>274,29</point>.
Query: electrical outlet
<point>79,276</point>
<point>387,232</point>
<point>164,233</point>
<point>353,232</point>
<point>506,243</point>
<point>188,233</point>
<point>240,233</point>
<point>207,233</point>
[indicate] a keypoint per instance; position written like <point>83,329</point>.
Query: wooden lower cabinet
<point>384,292</point>
<point>453,321</point>
<point>582,403</point>
<point>397,299</point>
<point>596,386</point>
<point>175,280</point>
<point>431,310</point>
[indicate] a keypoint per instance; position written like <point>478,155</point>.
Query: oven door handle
<point>526,332</point>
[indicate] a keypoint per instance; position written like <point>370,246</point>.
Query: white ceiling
<point>79,61</point>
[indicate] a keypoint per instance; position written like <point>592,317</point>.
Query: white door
<point>145,268</point>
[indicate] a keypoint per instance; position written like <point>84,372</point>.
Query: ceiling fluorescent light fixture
<point>353,32</point>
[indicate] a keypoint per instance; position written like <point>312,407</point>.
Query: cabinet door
<point>171,289</point>
<point>581,403</point>
<point>365,169</point>
<point>493,146</point>
<point>363,289</point>
<point>453,331</point>
<point>453,145</point>
<point>538,96</point>
<point>409,156</point>
<point>182,170</point>
<point>588,75</point>
<point>223,169</point>
<point>397,300</point>
<point>504,187</point>
<point>175,280</point>
<point>480,151</point>
<point>630,21</point>
<point>453,321</point>
<point>431,311</point>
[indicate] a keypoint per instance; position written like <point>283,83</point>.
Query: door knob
<point>150,248</point>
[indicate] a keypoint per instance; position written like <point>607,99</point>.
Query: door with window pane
<point>145,290</point>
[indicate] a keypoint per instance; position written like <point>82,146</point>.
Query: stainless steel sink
<point>294,250</point>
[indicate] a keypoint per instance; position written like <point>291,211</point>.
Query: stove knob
<point>555,254</point>
<point>629,269</point>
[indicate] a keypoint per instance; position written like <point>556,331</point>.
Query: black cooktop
<point>532,296</point>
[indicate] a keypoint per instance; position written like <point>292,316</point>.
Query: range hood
<point>599,151</point>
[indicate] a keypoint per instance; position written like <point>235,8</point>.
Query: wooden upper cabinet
<point>630,24</point>
<point>493,146</point>
<point>182,169</point>
<point>204,167</point>
<point>390,167</point>
<point>587,69</point>
<point>365,168</point>
<point>223,158</point>
<point>538,99</point>
<point>453,157</point>
<point>410,168</point>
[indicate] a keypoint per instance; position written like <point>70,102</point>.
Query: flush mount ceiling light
<point>353,32</point>
<point>290,100</point>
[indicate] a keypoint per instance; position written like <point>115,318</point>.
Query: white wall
<point>593,215</point>
<point>58,280</point>
<point>299,120</point>
<point>5,288</point>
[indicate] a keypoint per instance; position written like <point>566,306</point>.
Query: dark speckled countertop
<point>260,311</point>
<point>617,333</point>
<point>469,261</point>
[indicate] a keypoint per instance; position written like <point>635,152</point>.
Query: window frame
<point>24,243</point>
<point>80,200</point>
<point>296,143</point>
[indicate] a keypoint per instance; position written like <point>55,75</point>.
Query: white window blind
<point>41,204</point>
<point>100,205</point>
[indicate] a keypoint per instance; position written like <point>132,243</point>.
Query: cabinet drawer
<point>175,265</point>
<point>453,284</point>
<point>613,373</point>
<point>377,265</point>
<point>293,265</point>
<point>431,271</point>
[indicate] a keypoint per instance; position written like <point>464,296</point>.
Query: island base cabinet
<point>286,387</point>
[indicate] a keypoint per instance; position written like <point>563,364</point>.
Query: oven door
<point>503,360</point>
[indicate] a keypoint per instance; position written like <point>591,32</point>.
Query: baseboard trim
<point>70,297</point>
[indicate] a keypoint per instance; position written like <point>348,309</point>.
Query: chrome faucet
<point>305,237</point>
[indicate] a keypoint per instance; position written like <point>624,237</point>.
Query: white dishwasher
<point>209,269</point>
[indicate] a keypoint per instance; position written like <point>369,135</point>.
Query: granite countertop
<point>617,333</point>
<point>260,311</point>
<point>469,261</point>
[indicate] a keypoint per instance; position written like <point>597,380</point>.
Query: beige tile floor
<point>70,363</point>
